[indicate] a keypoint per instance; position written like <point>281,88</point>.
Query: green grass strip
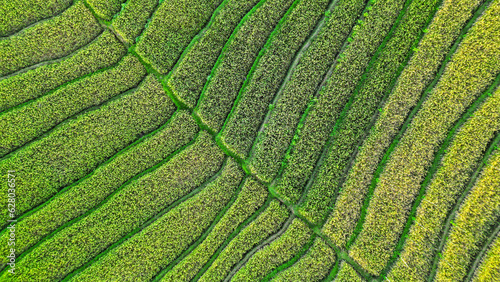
<point>473,68</point>
<point>475,219</point>
<point>487,264</point>
<point>106,9</point>
<point>124,212</point>
<point>236,60</point>
<point>267,75</point>
<point>102,52</point>
<point>189,75</point>
<point>348,274</point>
<point>170,234</point>
<point>130,22</point>
<point>246,207</point>
<point>333,272</point>
<point>421,67</point>
<point>128,164</point>
<point>21,14</point>
<point>313,266</point>
<point>277,130</point>
<point>170,30</point>
<point>31,120</point>
<point>69,31</point>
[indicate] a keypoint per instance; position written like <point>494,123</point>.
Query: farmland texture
<point>250,140</point>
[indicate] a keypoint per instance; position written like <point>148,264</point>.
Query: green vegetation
<point>171,29</point>
<point>418,73</point>
<point>479,212</point>
<point>457,165</point>
<point>79,145</point>
<point>105,9</point>
<point>159,243</point>
<point>235,61</point>
<point>266,76</point>
<point>29,121</point>
<point>262,227</point>
<point>276,253</point>
<point>348,274</point>
<point>116,173</point>
<point>277,131</point>
<point>190,75</point>
<point>51,39</point>
<point>471,69</point>
<point>130,22</point>
<point>125,211</point>
<point>489,269</point>
<point>251,198</point>
<point>15,15</point>
<point>313,266</point>
<point>103,52</point>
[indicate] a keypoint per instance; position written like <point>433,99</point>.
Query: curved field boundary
<point>234,234</point>
<point>481,255</point>
<point>430,174</point>
<point>447,227</point>
<point>36,22</point>
<point>250,253</point>
<point>347,273</point>
<point>426,92</point>
<point>147,223</point>
<point>88,212</point>
<point>191,247</point>
<point>318,216</point>
<point>119,25</point>
<point>73,221</point>
<point>78,102</point>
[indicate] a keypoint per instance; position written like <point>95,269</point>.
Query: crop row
<point>161,242</point>
<point>49,39</point>
<point>267,74</point>
<point>472,68</point>
<point>456,168</point>
<point>250,199</point>
<point>313,266</point>
<point>31,120</point>
<point>103,52</point>
<point>348,83</point>
<point>267,223</point>
<point>421,69</point>
<point>271,144</point>
<point>107,179</point>
<point>489,269</point>
<point>236,60</point>
<point>170,30</point>
<point>277,252</point>
<point>190,75</point>
<point>130,22</point>
<point>79,145</point>
<point>19,14</point>
<point>476,216</point>
<point>348,274</point>
<point>122,213</point>
<point>105,9</point>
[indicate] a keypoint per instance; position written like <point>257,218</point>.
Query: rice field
<point>250,140</point>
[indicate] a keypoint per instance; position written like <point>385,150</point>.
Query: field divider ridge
<point>148,222</point>
<point>487,244</point>
<point>387,154</point>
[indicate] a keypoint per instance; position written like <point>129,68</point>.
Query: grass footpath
<point>189,76</point>
<point>106,9</point>
<point>489,269</point>
<point>130,22</point>
<point>348,214</point>
<point>123,213</point>
<point>49,39</point>
<point>276,132</point>
<point>267,75</point>
<point>472,69</point>
<point>249,200</point>
<point>236,60</point>
<point>348,274</point>
<point>161,242</point>
<point>102,52</point>
<point>86,194</point>
<point>27,122</point>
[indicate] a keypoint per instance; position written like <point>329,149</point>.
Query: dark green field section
<point>250,140</point>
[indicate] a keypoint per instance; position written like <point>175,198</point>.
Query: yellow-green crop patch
<point>249,140</point>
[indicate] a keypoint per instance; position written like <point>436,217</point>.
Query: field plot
<point>250,140</point>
